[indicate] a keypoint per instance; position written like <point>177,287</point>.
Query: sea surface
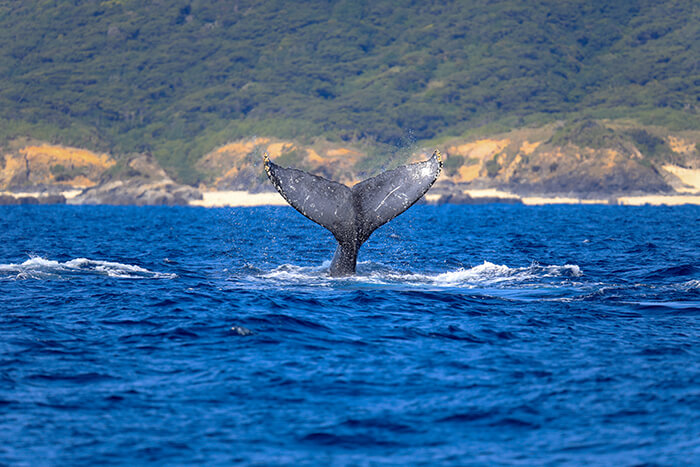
<point>472,335</point>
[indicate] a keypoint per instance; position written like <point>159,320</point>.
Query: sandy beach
<point>659,200</point>
<point>689,177</point>
<point>243,198</point>
<point>541,200</point>
<point>217,199</point>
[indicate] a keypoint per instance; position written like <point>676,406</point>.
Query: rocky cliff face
<point>40,165</point>
<point>140,181</point>
<point>85,177</point>
<point>238,165</point>
<point>586,159</point>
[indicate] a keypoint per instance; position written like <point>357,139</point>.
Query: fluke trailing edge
<point>352,214</point>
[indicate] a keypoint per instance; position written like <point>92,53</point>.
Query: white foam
<point>486,274</point>
<point>294,274</point>
<point>38,268</point>
<point>490,274</point>
<point>481,273</point>
<point>32,263</point>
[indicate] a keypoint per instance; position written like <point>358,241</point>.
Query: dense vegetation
<point>177,78</point>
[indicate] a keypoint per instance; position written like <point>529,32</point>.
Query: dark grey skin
<point>352,214</point>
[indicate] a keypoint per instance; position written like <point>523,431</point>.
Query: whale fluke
<point>352,214</point>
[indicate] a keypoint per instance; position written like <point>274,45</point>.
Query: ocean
<point>471,335</point>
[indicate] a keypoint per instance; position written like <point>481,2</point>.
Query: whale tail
<point>352,214</point>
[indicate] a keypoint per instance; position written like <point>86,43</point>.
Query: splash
<point>41,268</point>
<point>490,274</point>
<point>289,273</point>
<point>484,275</point>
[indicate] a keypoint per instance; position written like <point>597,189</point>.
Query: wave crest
<point>41,268</point>
<point>486,274</point>
<point>494,274</point>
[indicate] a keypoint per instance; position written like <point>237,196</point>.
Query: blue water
<point>472,335</point>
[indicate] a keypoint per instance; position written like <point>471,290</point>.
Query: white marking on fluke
<point>386,197</point>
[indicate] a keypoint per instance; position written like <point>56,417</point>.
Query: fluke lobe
<point>352,214</point>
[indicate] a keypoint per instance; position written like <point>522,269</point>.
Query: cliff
<point>26,166</point>
<point>586,159</point>
<point>40,173</point>
<point>589,160</point>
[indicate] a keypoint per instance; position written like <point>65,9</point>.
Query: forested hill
<point>178,78</point>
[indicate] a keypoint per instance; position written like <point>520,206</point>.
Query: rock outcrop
<point>238,165</point>
<point>141,181</point>
<point>8,199</point>
<point>585,159</point>
<point>137,193</point>
<point>591,160</point>
<point>31,166</point>
<point>49,172</point>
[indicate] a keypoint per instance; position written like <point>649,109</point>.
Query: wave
<point>486,274</point>
<point>37,267</point>
<point>292,272</point>
<point>494,274</point>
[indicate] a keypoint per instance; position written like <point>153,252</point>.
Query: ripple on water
<point>495,334</point>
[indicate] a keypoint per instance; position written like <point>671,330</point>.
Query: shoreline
<point>239,198</point>
<point>221,199</point>
<point>213,199</point>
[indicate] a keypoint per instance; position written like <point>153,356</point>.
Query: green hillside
<point>177,78</point>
